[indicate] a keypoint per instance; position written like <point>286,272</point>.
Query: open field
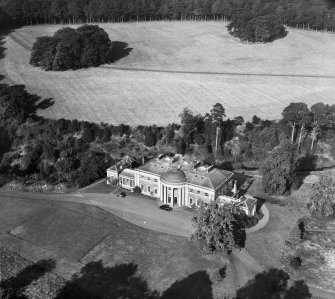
<point>178,64</point>
<point>74,235</point>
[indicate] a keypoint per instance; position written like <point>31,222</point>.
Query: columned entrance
<point>173,195</point>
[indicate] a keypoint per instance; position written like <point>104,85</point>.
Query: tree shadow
<point>96,281</point>
<point>122,281</point>
<point>3,33</point>
<point>120,50</point>
<point>305,165</point>
<point>197,285</point>
<point>226,165</point>
<point>273,284</point>
<point>14,286</point>
<point>22,102</point>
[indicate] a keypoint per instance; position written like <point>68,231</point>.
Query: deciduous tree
<point>220,226</point>
<point>217,113</point>
<point>322,200</point>
<point>279,169</point>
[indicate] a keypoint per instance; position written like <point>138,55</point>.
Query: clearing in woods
<point>177,64</point>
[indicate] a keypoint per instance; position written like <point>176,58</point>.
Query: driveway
<point>145,212</point>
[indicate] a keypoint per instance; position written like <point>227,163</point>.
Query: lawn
<point>99,187</point>
<point>266,244</point>
<point>316,250</point>
<point>178,64</point>
<point>33,280</point>
<point>95,240</point>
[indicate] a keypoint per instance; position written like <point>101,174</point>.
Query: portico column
<point>166,195</point>
<point>162,193</point>
<point>180,197</point>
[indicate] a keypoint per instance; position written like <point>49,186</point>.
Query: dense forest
<point>309,14</point>
<point>68,48</point>
<point>75,153</point>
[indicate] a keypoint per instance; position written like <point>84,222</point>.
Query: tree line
<point>308,14</point>
<point>61,151</point>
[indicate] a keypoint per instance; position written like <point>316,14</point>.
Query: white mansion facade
<point>175,180</point>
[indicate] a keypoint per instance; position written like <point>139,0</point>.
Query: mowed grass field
<point>75,235</point>
<point>178,64</point>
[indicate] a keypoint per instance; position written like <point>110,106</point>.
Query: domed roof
<point>174,176</point>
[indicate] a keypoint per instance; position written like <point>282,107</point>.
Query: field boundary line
<point>216,73</point>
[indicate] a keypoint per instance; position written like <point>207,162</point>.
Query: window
<point>191,190</point>
<point>142,176</point>
<point>198,192</point>
<point>169,199</point>
<point>149,189</point>
<point>169,188</point>
<point>156,191</point>
<point>206,194</point>
<point>131,183</point>
<point>142,186</point>
<point>124,181</point>
<point>191,201</point>
<point>155,180</point>
<point>148,178</point>
<point>127,181</point>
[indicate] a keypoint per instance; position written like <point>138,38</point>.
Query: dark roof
<point>247,201</point>
<point>196,172</point>
<point>174,176</point>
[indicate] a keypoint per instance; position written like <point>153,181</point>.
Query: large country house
<point>178,182</point>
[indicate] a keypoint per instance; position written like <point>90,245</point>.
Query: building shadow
<point>120,50</point>
<point>273,284</point>
<point>13,287</point>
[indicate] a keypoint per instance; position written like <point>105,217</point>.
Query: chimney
<point>196,165</point>
<point>210,168</point>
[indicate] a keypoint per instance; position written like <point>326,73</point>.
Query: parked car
<point>166,208</point>
<point>121,194</point>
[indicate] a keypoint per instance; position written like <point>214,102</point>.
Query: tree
<point>323,115</point>
<point>235,147</point>
<point>322,200</point>
<point>296,114</point>
<point>106,137</point>
<point>256,28</point>
<point>88,135</point>
<point>314,133</point>
<point>279,169</point>
<point>150,139</point>
<point>217,113</point>
<point>273,284</point>
<point>256,120</point>
<point>190,123</point>
<point>180,146</point>
<point>87,46</point>
<point>137,190</point>
<point>220,226</point>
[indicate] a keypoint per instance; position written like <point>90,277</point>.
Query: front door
<point>175,200</point>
